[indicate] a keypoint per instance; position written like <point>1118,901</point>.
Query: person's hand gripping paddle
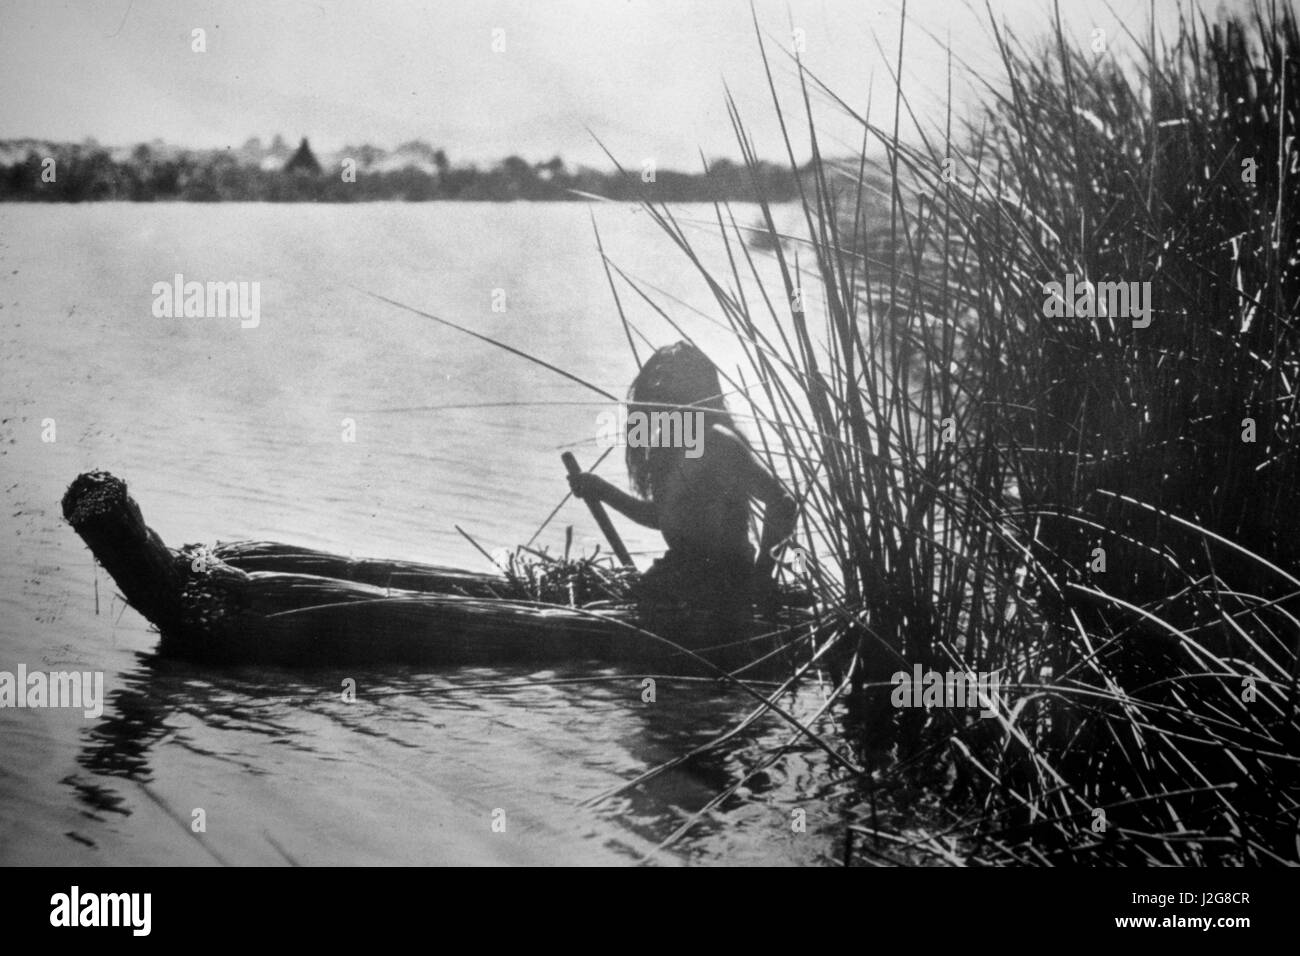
<point>602,518</point>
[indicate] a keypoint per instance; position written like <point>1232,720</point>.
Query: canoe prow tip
<point>93,494</point>
<point>104,514</point>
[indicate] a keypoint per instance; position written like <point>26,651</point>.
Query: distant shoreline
<point>38,171</point>
<point>382,202</point>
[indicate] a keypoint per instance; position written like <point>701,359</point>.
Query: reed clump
<point>1095,502</point>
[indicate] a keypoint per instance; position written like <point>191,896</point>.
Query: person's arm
<point>639,510</point>
<point>780,511</point>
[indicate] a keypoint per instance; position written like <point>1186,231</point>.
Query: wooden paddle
<point>602,519</point>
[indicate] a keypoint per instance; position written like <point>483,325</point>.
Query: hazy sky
<point>646,77</point>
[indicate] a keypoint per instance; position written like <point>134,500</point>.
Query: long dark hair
<point>675,375</point>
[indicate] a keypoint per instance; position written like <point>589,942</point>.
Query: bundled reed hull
<point>263,602</point>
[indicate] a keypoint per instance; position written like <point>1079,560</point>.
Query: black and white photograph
<point>711,433</point>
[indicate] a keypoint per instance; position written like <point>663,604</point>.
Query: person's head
<point>676,378</point>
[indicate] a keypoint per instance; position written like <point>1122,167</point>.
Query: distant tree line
<point>87,173</point>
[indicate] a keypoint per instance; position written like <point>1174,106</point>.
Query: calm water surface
<point>225,433</point>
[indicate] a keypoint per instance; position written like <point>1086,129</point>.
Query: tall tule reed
<point>1071,502</point>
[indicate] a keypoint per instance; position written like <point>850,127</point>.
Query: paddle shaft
<point>598,512</point>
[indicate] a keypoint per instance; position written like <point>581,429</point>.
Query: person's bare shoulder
<point>736,458</point>
<point>725,446</point>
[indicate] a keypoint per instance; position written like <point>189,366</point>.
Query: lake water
<point>225,433</point>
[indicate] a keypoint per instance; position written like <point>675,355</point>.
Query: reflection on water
<point>493,717</point>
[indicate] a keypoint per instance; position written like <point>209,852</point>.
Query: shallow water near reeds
<point>225,433</point>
